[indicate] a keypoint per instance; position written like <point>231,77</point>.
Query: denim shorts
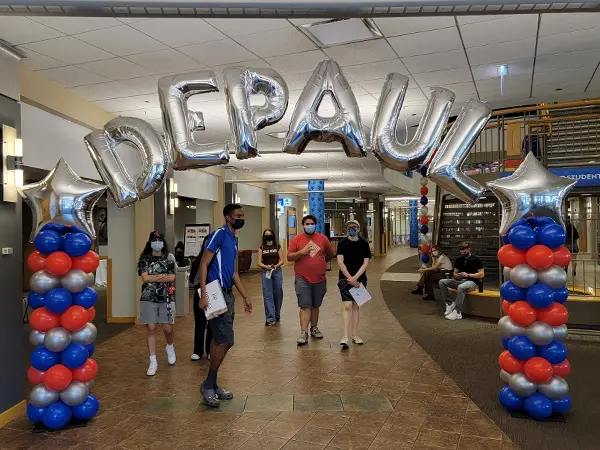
<point>222,326</point>
<point>310,295</point>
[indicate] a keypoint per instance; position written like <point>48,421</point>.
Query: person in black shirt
<point>571,243</point>
<point>468,269</point>
<point>353,254</point>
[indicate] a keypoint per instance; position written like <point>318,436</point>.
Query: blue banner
<point>585,176</point>
<point>414,223</point>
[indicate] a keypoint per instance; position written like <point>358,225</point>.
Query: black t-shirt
<point>470,264</point>
<point>354,253</point>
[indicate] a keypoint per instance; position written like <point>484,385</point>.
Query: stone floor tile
<point>315,403</point>
<point>478,443</point>
<point>435,438</point>
<point>314,435</point>
<point>366,403</point>
<point>256,403</point>
<point>350,441</point>
<point>477,424</point>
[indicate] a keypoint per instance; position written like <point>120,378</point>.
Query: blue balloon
<point>510,400</point>
<point>505,239</point>
<point>511,292</point>
<point>57,415</point>
<point>562,405</point>
<point>34,413</point>
<point>42,358</point>
<point>75,229</point>
<point>424,200</point>
<point>522,237</point>
<point>48,241</point>
<point>58,300</point>
<point>424,229</point>
<point>74,355</point>
<point>517,223</point>
<point>86,298</point>
<point>58,227</point>
<point>539,221</point>
<point>91,348</point>
<point>87,409</point>
<point>521,348</point>
<point>538,406</point>
<point>540,295</point>
<point>423,170</point>
<point>505,340</point>
<point>77,244</point>
<point>561,294</point>
<point>551,235</point>
<point>35,300</point>
<point>555,352</point>
<point>425,257</point>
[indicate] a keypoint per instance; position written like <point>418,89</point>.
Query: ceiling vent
<point>341,31</point>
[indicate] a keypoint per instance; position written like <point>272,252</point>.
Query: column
<point>316,202</point>
<point>414,223</point>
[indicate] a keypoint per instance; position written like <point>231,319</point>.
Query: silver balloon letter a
<point>454,149</point>
<point>180,123</point>
<point>384,142</point>
<point>124,188</point>
<point>245,119</point>
<point>344,127</point>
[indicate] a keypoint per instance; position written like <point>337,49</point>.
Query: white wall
<point>204,213</point>
<point>197,184</point>
<point>183,216</point>
<point>250,236</point>
<point>250,195</point>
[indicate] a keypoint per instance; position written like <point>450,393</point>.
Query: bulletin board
<point>193,238</point>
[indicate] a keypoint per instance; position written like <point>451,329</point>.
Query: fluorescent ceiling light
<point>278,134</point>
<point>341,31</point>
<point>297,167</point>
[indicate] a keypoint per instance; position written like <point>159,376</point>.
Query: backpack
<point>195,267</point>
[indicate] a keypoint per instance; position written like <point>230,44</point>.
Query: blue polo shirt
<point>223,244</point>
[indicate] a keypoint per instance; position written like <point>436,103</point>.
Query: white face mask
<point>435,253</point>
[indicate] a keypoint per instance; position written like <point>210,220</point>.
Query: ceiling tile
<point>179,32</point>
<point>69,50</point>
<point>372,71</point>
<point>276,42</point>
<point>375,86</point>
<point>37,61</point>
<point>122,41</point>
<point>452,59</point>
<point>217,53</point>
<point>595,83</point>
<point>520,67</point>
<point>427,42</point>
<point>130,20</point>
<point>460,89</point>
<point>567,42</point>
<point>564,76</point>
<point>297,63</point>
<point>510,28</point>
<point>397,26</point>
<point>144,85</point>
<point>74,25</point>
<point>361,52</point>
<point>511,83</point>
<point>165,61</point>
<point>242,27</point>
<point>501,53</point>
<point>443,77</point>
<point>114,69</point>
<point>463,20</point>
<point>129,103</point>
<point>562,87</point>
<point>21,30</point>
<point>493,96</point>
<point>71,76</point>
<point>563,23</point>
<point>253,63</point>
<point>545,63</point>
<point>104,91</point>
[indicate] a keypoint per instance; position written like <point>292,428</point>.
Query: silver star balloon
<point>62,197</point>
<point>531,191</point>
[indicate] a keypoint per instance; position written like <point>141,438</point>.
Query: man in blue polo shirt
<point>222,246</point>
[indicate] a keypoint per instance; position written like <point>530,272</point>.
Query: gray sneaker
<point>316,333</point>
<point>303,338</point>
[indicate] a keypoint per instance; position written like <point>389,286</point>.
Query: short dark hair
<point>309,216</point>
<point>437,247</point>
<point>229,209</point>
<point>464,245</point>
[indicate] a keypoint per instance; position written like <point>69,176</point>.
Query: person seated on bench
<point>468,269</point>
<point>430,276</point>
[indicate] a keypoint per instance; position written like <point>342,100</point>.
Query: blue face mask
<point>309,229</point>
<point>352,232</point>
<point>157,246</point>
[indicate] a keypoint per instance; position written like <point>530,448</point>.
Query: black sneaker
<point>417,291</point>
<point>429,297</point>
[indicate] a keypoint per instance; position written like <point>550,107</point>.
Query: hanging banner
<point>194,237</point>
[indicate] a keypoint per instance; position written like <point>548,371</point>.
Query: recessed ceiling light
<point>190,206</point>
<point>278,134</point>
<point>341,31</point>
<point>230,168</point>
<point>246,169</point>
<point>558,89</point>
<point>297,167</point>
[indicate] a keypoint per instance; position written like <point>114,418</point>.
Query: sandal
<point>223,395</point>
<point>210,397</point>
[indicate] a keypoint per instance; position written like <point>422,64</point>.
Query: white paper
<point>193,239</point>
<point>360,294</point>
<point>216,300</point>
<point>268,274</point>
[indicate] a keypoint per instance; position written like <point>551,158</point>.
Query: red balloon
<point>58,263</point>
<point>88,262</point>
<point>506,306</point>
<point>424,190</point>
<point>424,220</point>
<point>424,248</point>
<point>36,261</point>
<point>554,315</point>
<point>509,363</point>
<point>86,372</point>
<point>91,314</point>
<point>74,318</point>
<point>539,257</point>
<point>562,256</point>
<point>43,320</point>
<point>522,313</point>
<point>58,377</point>
<point>562,369</point>
<point>35,376</point>
<point>538,370</point>
<point>510,256</point>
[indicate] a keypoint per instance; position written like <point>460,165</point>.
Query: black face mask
<point>236,224</point>
<point>268,238</point>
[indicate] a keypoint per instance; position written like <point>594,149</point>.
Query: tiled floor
<point>387,394</point>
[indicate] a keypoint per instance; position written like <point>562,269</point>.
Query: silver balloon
<point>75,394</point>
<point>445,168</point>
<point>85,335</point>
<point>554,389</point>
<point>57,339</point>
<point>62,197</point>
<point>345,126</point>
<point>509,328</point>
<point>90,279</point>
<point>386,145</point>
<point>531,191</point>
<point>36,338</point>
<point>90,385</point>
<point>554,276</point>
<point>41,282</point>
<point>196,121</point>
<point>74,281</point>
<point>523,275</point>
<point>424,181</point>
<point>521,385</point>
<point>125,188</point>
<point>424,210</point>
<point>540,333</point>
<point>560,333</point>
<point>180,123</point>
<point>40,396</point>
<point>244,118</point>
<point>505,376</point>
<point>506,273</point>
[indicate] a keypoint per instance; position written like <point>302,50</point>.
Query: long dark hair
<point>272,233</point>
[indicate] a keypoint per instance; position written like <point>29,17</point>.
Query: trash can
<point>182,291</point>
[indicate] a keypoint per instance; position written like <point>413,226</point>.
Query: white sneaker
<point>152,368</point>
<point>454,315</point>
<point>171,354</point>
<point>357,339</point>
<point>344,342</point>
<point>449,308</point>
<point>195,357</point>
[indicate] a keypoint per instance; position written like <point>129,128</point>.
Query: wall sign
<point>585,176</point>
<point>194,237</point>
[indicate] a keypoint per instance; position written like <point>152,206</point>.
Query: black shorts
<point>222,326</point>
<point>345,289</point>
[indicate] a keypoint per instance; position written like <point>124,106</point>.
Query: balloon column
<point>424,218</point>
<point>62,297</point>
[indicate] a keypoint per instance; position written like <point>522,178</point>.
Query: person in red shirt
<point>310,251</point>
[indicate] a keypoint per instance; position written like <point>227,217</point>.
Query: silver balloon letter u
<point>307,125</point>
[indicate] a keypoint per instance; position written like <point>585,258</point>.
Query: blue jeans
<point>272,294</point>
